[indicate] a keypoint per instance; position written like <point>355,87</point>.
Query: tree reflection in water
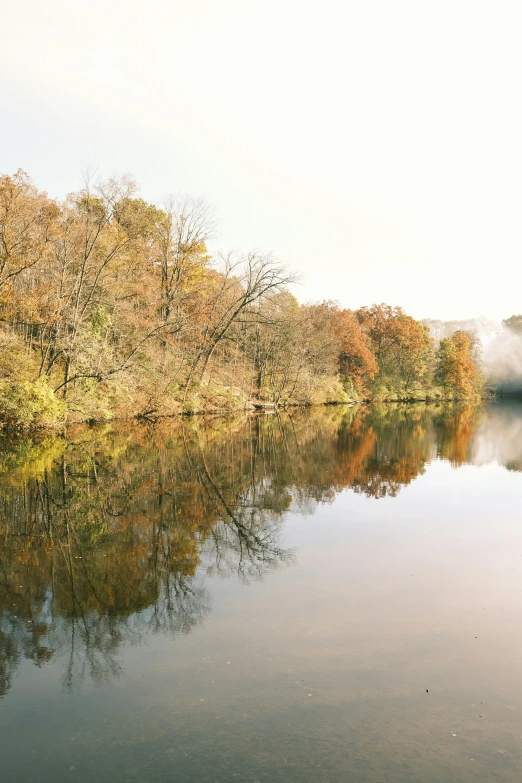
<point>107,535</point>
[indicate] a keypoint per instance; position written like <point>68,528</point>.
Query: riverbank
<point>55,416</point>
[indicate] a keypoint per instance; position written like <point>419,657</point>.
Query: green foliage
<point>350,389</point>
<point>30,404</point>
<point>328,390</point>
<point>101,321</point>
<point>16,362</point>
<point>22,459</point>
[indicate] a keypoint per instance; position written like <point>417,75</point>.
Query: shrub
<point>30,404</point>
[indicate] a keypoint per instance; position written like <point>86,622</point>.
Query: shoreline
<point>253,408</point>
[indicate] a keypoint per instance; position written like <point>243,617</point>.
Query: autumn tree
<point>27,220</point>
<point>357,362</point>
<point>458,366</point>
<point>402,346</point>
<point>83,284</point>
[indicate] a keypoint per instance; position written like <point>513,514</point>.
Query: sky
<point>374,147</point>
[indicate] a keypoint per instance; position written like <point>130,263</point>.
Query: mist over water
<point>503,360</point>
<point>501,350</point>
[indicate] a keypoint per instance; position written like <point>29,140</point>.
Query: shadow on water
<point>111,534</point>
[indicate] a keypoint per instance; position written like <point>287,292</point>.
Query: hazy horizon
<point>373,148</point>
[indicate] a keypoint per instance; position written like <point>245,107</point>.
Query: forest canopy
<point>113,307</point>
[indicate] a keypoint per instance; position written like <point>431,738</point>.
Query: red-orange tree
<point>402,346</point>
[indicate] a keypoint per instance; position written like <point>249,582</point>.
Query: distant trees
<point>513,323</point>
<point>115,306</point>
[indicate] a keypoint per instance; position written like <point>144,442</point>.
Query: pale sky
<point>373,146</point>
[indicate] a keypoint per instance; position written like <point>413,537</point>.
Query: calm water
<point>329,595</point>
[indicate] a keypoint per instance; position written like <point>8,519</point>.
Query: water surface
<point>326,595</point>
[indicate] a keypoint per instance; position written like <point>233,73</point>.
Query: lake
<point>327,595</point>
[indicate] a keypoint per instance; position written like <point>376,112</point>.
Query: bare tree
<point>243,282</point>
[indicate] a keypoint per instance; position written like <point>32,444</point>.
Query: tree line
<point>112,307</point>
